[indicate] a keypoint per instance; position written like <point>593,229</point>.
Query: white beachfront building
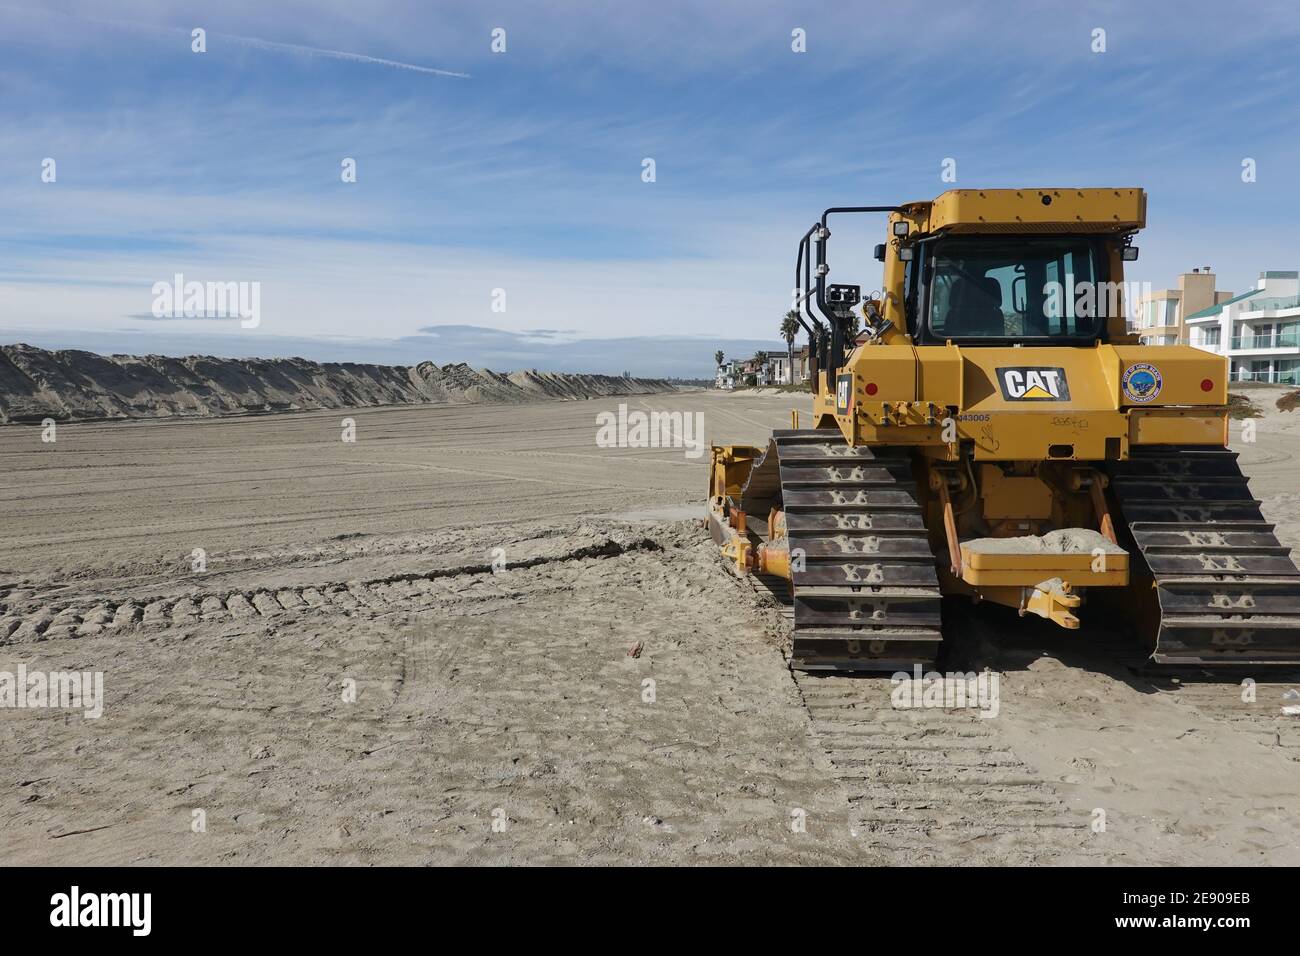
<point>1258,330</point>
<point>728,373</point>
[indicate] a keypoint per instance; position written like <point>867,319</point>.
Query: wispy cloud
<point>256,43</point>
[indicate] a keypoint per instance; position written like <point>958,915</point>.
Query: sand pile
<point>1061,541</point>
<point>73,385</point>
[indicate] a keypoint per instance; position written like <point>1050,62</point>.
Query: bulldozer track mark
<point>919,779</point>
<point>380,595</point>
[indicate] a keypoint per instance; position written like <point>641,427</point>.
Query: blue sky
<point>525,174</point>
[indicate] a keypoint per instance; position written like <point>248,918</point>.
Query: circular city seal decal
<point>1142,382</point>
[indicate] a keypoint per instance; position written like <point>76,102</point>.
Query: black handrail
<point>836,356</point>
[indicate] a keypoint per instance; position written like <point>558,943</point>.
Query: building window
<point>1259,369</point>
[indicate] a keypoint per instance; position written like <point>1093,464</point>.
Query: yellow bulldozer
<point>994,431</point>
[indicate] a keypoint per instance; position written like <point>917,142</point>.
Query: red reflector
<point>871,388</point>
<point>1206,385</point>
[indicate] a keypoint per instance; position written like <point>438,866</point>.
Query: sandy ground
<point>415,649</point>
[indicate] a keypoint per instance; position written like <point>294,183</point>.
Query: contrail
<point>253,42</point>
<point>259,43</point>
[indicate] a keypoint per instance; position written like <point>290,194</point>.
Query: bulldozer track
<point>1228,590</point>
<point>865,590</point>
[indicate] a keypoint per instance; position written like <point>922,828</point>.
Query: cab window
<point>1016,288</point>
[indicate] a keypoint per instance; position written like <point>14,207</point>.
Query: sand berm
<point>72,385</point>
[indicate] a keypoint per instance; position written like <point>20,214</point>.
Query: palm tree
<point>790,331</point>
<point>718,357</point>
<point>852,328</point>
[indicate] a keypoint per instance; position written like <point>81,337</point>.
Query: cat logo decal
<point>1033,384</point>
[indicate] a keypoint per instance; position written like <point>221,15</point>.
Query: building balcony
<point>1272,305</point>
<point>1289,377</point>
<point>1261,343</point>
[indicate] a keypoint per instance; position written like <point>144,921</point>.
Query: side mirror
<point>880,252</point>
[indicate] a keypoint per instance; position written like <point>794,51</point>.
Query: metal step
<point>1183,490</point>
<point>1182,513</point>
<point>849,521</point>
<point>835,607</point>
<point>857,498</point>
<point>832,475</point>
<point>849,573</point>
<point>897,649</point>
<point>845,546</point>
